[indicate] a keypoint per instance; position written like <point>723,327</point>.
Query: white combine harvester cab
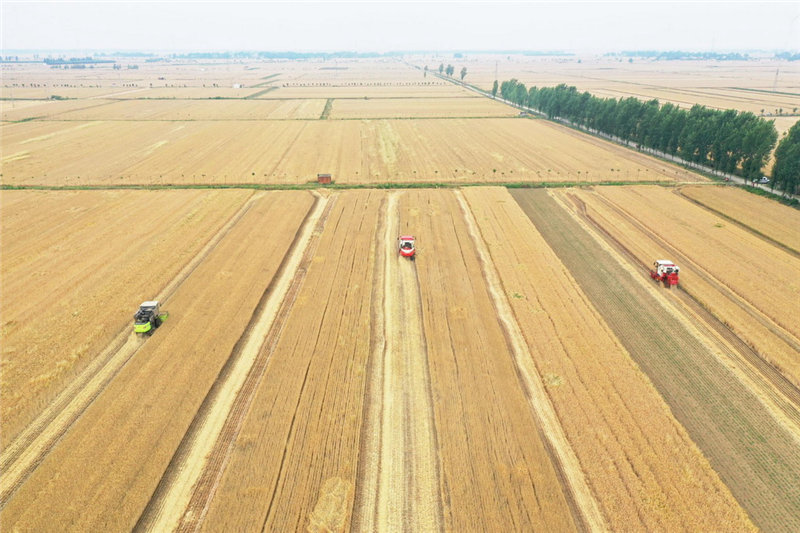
<point>665,271</point>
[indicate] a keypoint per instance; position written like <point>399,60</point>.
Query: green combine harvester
<point>148,318</point>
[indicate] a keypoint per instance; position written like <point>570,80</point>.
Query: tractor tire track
<point>584,507</point>
<point>22,456</point>
<point>181,500</point>
<point>400,464</point>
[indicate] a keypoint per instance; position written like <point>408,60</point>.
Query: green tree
<point>494,88</point>
<point>441,67</point>
<point>463,72</point>
<point>425,72</point>
<point>449,70</point>
<point>786,171</point>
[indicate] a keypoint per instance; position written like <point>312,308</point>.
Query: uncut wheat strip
<point>130,432</point>
<point>276,473</point>
<point>174,503</point>
<point>485,459</point>
<point>636,456</point>
<point>540,403</point>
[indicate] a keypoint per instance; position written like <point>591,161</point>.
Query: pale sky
<point>593,26</point>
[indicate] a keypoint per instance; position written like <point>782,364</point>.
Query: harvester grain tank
<point>665,271</point>
<point>406,245</point>
<point>148,318</point>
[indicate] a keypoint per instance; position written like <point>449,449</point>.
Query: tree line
<point>735,142</point>
<point>449,70</point>
<point>786,171</point>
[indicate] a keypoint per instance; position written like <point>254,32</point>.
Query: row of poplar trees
<point>731,141</point>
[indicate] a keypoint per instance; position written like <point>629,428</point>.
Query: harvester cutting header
<point>665,271</point>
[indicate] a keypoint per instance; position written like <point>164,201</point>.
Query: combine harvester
<point>148,318</point>
<point>406,246</point>
<point>666,272</point>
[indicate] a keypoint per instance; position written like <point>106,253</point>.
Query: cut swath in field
<point>399,480</point>
<point>754,455</point>
<point>642,467</point>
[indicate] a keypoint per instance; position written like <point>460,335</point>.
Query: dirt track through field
<point>757,458</point>
<point>400,487</point>
<point>583,504</point>
<point>22,455</point>
<point>170,502</point>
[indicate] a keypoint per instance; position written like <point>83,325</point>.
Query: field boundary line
<point>580,497</point>
<point>197,465</point>
<point>313,185</point>
<point>21,457</point>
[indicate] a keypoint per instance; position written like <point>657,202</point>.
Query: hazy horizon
<point>578,27</point>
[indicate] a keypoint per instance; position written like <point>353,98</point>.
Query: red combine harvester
<point>406,247</point>
<point>665,271</point>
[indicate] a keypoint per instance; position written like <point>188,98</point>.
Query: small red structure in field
<point>323,178</point>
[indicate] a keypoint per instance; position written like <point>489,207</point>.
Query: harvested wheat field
<point>191,110</point>
<point>130,432</point>
<point>471,106</point>
<point>522,373</point>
